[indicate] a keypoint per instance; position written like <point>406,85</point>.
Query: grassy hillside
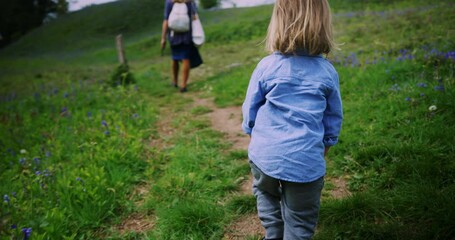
<point>74,150</point>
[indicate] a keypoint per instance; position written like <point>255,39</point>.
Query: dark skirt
<point>181,51</point>
<point>186,51</point>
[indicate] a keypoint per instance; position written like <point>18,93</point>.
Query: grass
<point>73,149</point>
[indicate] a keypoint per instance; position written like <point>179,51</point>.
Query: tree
<point>62,7</point>
<point>208,3</point>
<point>17,17</point>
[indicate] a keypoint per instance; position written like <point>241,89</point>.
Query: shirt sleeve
<point>254,99</point>
<point>193,8</point>
<point>167,9</point>
<point>333,115</point>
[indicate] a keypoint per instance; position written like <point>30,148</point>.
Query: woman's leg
<point>300,208</point>
<point>175,72</point>
<point>267,192</point>
<point>185,72</point>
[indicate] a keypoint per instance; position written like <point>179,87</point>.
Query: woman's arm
<point>194,15</point>
<point>163,34</point>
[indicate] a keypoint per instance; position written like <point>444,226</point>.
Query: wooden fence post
<point>120,50</point>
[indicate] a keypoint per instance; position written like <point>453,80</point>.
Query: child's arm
<point>254,99</point>
<point>333,116</point>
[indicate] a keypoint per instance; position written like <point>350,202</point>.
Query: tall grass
<point>69,156</point>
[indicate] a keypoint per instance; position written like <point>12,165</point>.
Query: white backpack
<point>179,20</point>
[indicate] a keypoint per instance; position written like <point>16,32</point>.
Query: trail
<point>227,121</point>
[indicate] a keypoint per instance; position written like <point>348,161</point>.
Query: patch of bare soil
<point>139,193</point>
<point>341,189</point>
<point>228,120</point>
<point>136,223</point>
<point>164,128</point>
<point>247,186</point>
<point>245,226</point>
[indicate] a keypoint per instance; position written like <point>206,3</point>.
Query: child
<point>293,113</point>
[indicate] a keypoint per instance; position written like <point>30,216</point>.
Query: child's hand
<point>326,150</point>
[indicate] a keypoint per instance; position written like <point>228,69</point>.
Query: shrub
<point>208,3</point>
<point>122,76</point>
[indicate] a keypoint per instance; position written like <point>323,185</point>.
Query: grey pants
<point>287,210</point>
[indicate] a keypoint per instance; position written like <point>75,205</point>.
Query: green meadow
<point>75,151</point>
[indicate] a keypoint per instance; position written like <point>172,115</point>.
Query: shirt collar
<point>298,52</point>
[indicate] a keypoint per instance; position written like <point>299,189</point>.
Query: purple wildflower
<point>80,180</point>
<point>107,133</point>
<point>104,123</point>
<point>6,198</point>
<point>38,173</point>
<point>407,99</point>
<point>13,226</point>
<point>422,85</point>
<point>22,161</point>
<point>27,233</point>
<point>37,161</point>
<point>439,88</point>
<point>450,55</point>
<point>64,110</point>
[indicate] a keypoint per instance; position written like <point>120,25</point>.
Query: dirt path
<point>228,121</point>
<point>140,222</point>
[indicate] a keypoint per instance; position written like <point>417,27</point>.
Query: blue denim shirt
<point>292,110</point>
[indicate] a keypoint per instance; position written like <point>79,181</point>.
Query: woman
<point>182,47</point>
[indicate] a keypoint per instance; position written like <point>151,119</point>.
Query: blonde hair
<point>300,25</point>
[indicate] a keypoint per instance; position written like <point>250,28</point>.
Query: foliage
<point>18,17</point>
<point>208,3</point>
<point>122,76</point>
<point>70,155</point>
<point>242,204</point>
<point>76,31</point>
